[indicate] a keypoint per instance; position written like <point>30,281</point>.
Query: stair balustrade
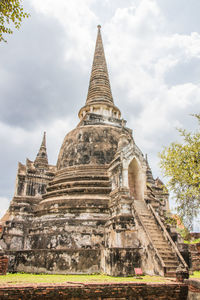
<point>168,237</point>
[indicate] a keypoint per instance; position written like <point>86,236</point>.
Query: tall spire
<point>99,87</point>
<point>41,160</point>
<point>99,99</point>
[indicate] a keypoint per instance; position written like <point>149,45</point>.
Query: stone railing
<point>168,237</point>
<point>150,240</point>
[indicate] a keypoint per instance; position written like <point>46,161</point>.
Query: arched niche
<point>135,180</point>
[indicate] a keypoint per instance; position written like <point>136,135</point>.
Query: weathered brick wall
<point>130,291</point>
<point>195,235</point>
<point>193,289</point>
<point>195,256</point>
<point>3,264</point>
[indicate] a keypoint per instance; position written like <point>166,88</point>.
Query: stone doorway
<point>135,180</point>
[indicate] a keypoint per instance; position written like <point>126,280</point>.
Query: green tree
<point>11,16</point>
<point>180,163</point>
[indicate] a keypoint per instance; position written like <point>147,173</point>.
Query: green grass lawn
<point>192,242</point>
<point>196,274</point>
<point>22,278</point>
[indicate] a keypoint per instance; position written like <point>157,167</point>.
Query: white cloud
<point>143,61</point>
<point>77,19</point>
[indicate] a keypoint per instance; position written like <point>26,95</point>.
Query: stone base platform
<point>65,261</point>
<point>112,261</point>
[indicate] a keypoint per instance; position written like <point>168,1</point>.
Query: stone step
<point>146,217</point>
<point>171,262</point>
<point>150,224</point>
<point>145,214</point>
<point>168,254</point>
<point>79,177</point>
<point>170,274</point>
<point>160,242</point>
<point>163,248</point>
<point>165,254</point>
<point>157,237</point>
<point>148,220</point>
<point>155,231</point>
<point>152,230</point>
<point>86,190</point>
<point>169,259</point>
<point>80,183</point>
<point>171,269</point>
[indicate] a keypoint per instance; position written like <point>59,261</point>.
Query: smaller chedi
<point>99,209</point>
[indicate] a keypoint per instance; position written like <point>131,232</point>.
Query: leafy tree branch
<point>180,163</point>
<point>11,14</point>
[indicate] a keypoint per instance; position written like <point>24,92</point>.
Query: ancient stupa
<point>99,209</point>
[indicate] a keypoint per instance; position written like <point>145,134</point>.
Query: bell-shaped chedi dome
<point>87,145</point>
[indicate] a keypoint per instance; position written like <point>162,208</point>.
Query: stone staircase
<point>159,242</point>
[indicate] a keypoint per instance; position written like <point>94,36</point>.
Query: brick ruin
<point>119,291</point>
<point>99,209</point>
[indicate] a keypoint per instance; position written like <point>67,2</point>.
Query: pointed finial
<point>44,140</point>
<point>41,160</point>
<point>99,27</point>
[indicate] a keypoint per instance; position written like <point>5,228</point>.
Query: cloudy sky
<point>153,54</point>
